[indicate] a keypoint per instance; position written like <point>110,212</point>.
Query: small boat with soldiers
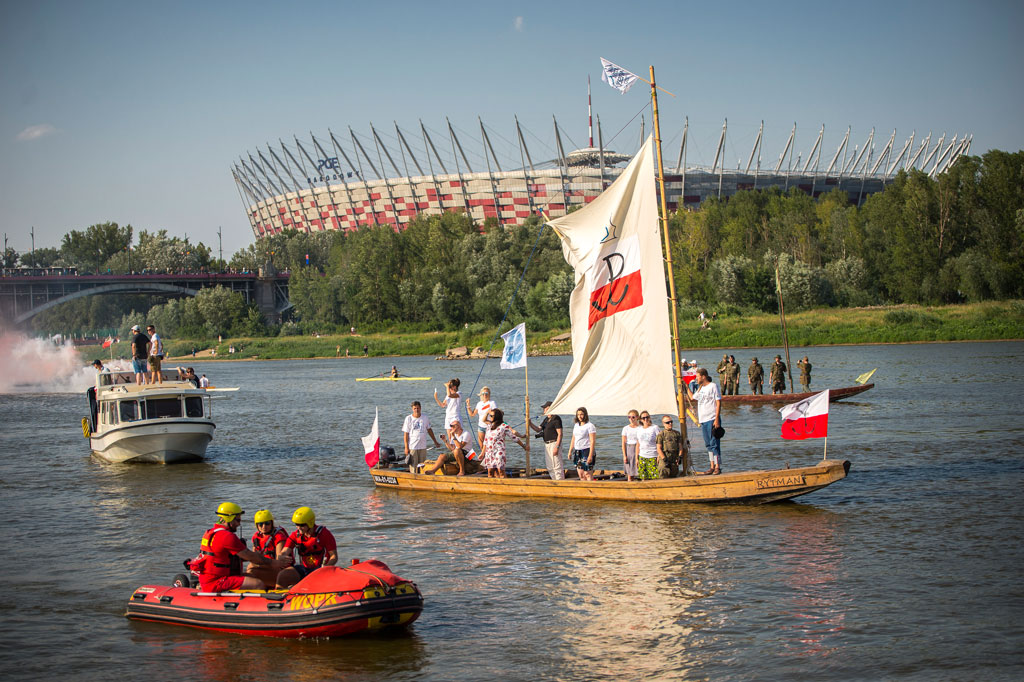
<point>834,394</point>
<point>622,358</point>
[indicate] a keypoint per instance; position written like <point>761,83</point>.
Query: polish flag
<point>615,280</point>
<point>106,344</point>
<point>807,418</point>
<point>371,444</point>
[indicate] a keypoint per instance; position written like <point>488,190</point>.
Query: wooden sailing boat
<point>621,354</point>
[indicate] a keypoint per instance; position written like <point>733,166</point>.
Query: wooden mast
<point>671,278</point>
<point>782,319</point>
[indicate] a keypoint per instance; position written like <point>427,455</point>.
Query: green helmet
<point>262,516</point>
<point>227,511</point>
<point>304,516</point>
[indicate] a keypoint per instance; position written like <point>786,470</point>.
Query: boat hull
<point>395,379</point>
<point>742,487</point>
<point>163,441</point>
<point>292,614</point>
<point>781,398</point>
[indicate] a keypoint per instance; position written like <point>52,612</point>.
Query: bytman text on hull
<point>331,601</point>
<point>750,487</point>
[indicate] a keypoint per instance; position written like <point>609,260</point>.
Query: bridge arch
<point>127,287</point>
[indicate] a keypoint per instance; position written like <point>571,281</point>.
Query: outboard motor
<point>388,458</point>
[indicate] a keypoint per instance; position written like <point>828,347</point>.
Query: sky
<point>135,112</point>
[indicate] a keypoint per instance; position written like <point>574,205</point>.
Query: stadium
<point>342,182</point>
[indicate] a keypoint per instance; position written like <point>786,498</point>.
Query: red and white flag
<point>110,340</point>
<point>807,418</point>
<point>371,443</point>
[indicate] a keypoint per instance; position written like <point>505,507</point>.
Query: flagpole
<point>785,332</point>
<point>671,278</point>
<point>526,373</point>
<point>824,455</point>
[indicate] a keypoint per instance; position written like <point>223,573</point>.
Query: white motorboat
<point>168,423</point>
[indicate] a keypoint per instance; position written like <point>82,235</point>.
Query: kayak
<point>395,379</point>
<point>329,602</point>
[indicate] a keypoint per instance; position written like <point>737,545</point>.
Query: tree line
<point>954,238</point>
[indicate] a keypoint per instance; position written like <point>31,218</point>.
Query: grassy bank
<point>827,326</point>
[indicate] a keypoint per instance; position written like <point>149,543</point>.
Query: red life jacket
<point>267,544</point>
<point>217,564</point>
<point>311,552</point>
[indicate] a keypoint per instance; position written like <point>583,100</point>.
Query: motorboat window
<point>194,406</point>
<point>129,410</point>
<point>157,408</point>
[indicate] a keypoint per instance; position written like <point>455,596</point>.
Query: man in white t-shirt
<point>461,450</point>
<point>414,432</point>
<point>709,411</point>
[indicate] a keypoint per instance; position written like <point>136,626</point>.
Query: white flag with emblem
<point>616,76</point>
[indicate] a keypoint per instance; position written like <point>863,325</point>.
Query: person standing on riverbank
<point>805,374</point>
<point>777,376</point>
<point>755,377</point>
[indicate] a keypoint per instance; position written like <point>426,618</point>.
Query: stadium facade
<point>333,183</point>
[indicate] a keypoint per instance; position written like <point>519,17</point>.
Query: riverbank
<point>998,320</point>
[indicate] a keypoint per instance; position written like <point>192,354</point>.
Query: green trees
<point>89,250</point>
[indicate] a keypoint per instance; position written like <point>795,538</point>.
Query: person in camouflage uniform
<point>670,457</point>
<point>805,374</point>
<point>755,376</point>
<point>732,377</point>
<point>721,369</point>
<point>777,376</point>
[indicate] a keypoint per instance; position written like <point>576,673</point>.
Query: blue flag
<point>514,355</point>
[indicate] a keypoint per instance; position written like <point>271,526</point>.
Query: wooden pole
<point>526,373</point>
<point>680,393</point>
<point>785,332</point>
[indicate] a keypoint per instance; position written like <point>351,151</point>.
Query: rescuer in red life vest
<point>268,540</point>
<point>223,552</point>
<point>315,545</point>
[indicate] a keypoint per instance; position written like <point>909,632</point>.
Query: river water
<point>910,568</point>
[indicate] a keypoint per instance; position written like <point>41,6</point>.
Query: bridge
<point>26,292</point>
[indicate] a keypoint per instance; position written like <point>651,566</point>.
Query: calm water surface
<point>908,569</point>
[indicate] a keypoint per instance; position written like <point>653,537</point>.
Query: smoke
<point>30,365</point>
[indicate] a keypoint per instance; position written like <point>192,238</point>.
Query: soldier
<point>777,376</point>
<point>721,371</point>
<point>732,376</point>
<point>805,374</point>
<point>755,376</point>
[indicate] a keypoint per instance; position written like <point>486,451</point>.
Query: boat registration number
<point>780,482</point>
<point>389,480</point>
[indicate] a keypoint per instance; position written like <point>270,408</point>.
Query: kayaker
<point>222,554</point>
<point>268,540</point>
<point>315,544</point>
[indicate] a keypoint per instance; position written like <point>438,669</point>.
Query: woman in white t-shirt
<point>629,445</point>
<point>451,405</point>
<point>647,448</point>
<point>584,454</point>
<point>483,407</point>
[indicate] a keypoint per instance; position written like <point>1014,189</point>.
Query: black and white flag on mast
<point>616,76</point>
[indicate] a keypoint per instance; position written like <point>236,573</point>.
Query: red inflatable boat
<point>330,601</point>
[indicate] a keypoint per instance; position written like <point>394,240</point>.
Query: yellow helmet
<point>304,516</point>
<point>227,511</point>
<point>262,516</point>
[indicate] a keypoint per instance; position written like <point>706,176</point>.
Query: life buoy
<point>86,431</point>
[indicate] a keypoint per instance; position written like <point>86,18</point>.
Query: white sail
<point>618,308</point>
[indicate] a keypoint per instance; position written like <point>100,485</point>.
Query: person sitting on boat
<point>629,445</point>
<point>222,553</point>
<point>647,447</point>
<point>268,540</point>
<point>755,377</point>
<point>394,371</point>
<point>451,404</point>
<point>315,544</point>
<point>550,430</point>
<point>415,430</point>
<point>98,364</point>
<point>494,458</point>
<point>204,382</point>
<point>805,374</point>
<point>777,376</point>
<point>483,406</point>
<point>584,452</point>
<point>460,451</point>
<point>709,410</point>
<point>188,375</point>
<point>668,443</point>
